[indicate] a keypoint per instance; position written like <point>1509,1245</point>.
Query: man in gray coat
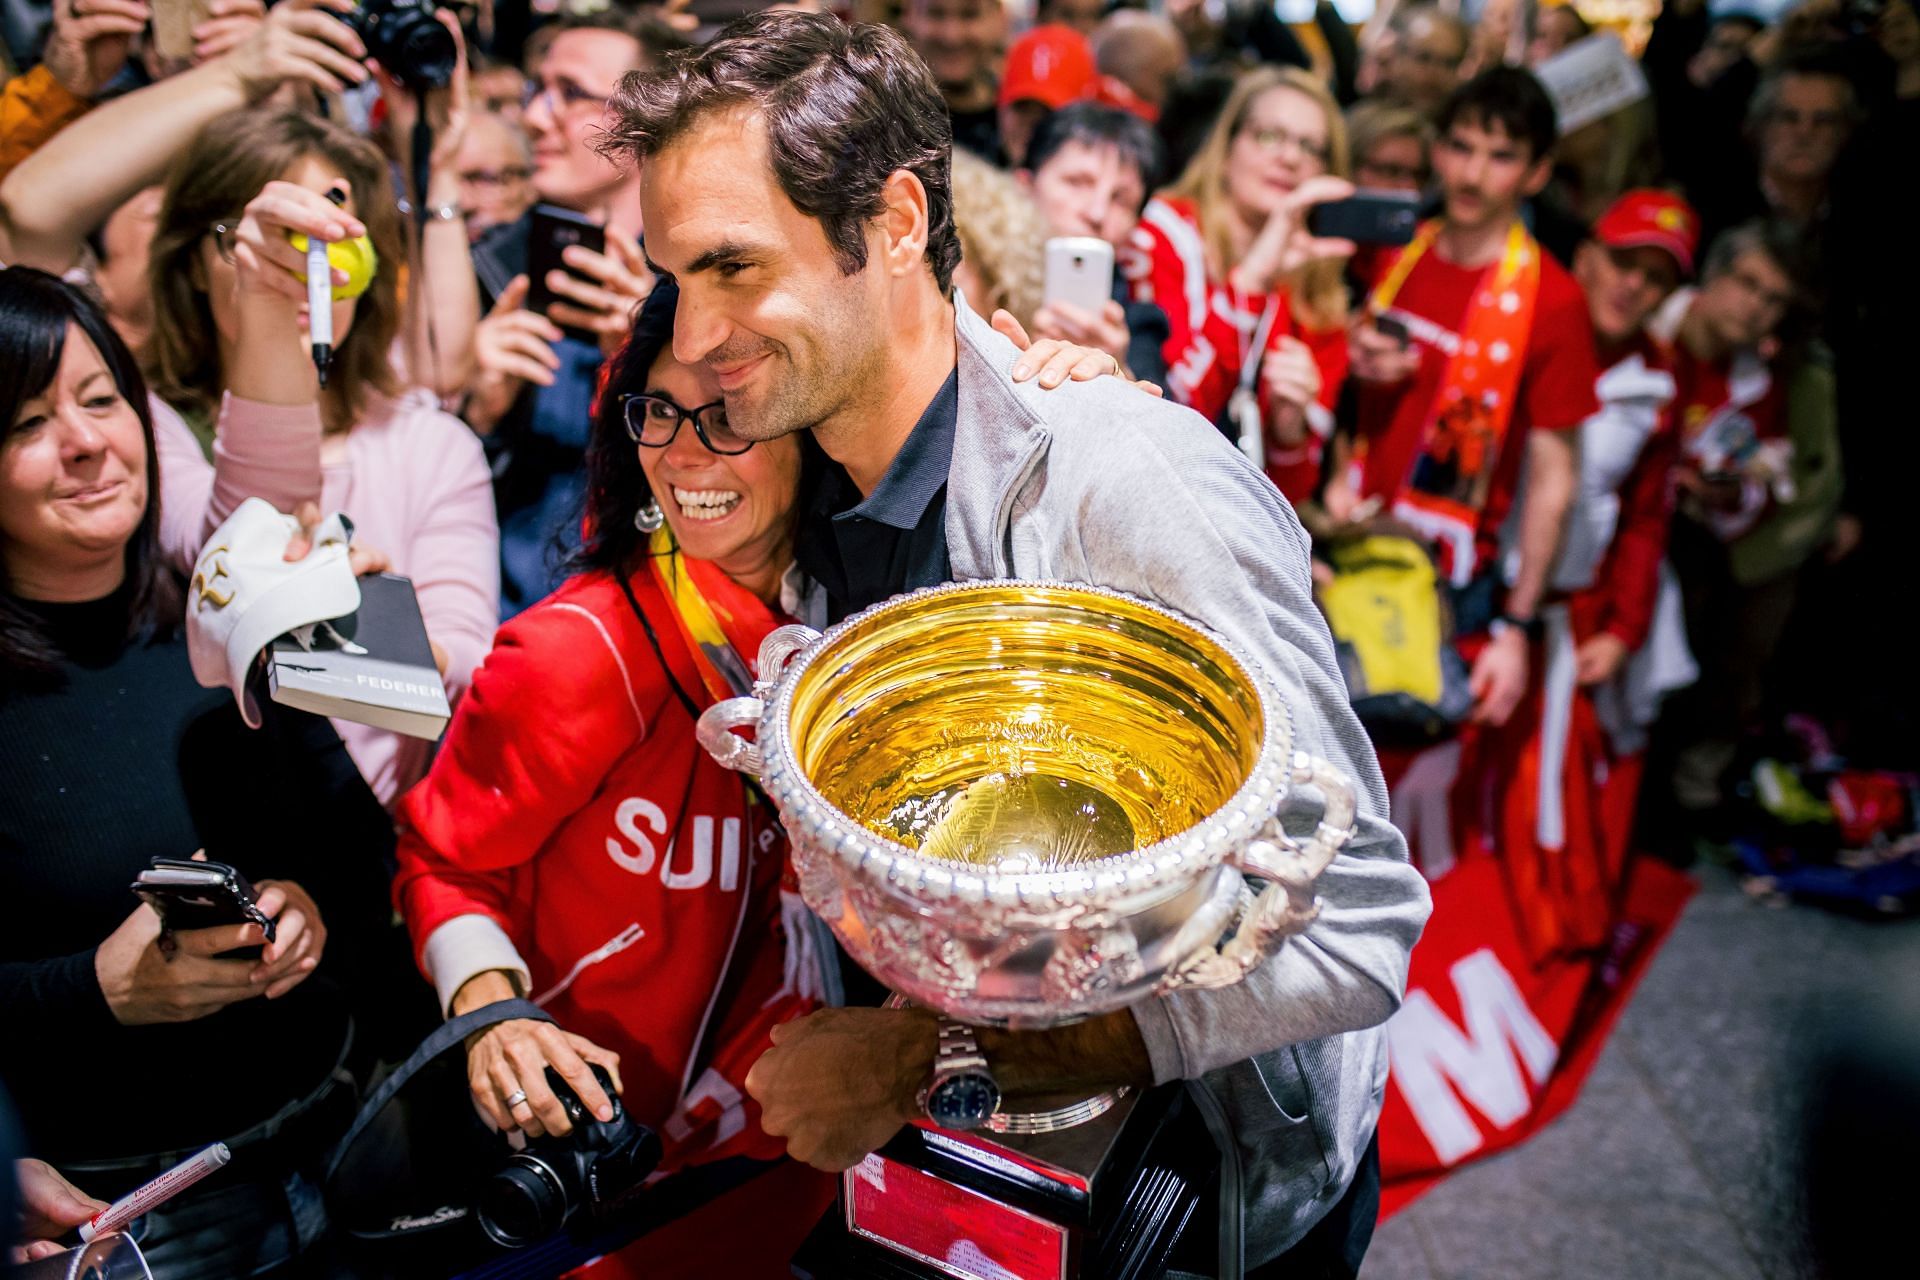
<point>795,183</point>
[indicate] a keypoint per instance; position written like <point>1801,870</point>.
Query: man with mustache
<point>795,180</point>
<point>1475,361</point>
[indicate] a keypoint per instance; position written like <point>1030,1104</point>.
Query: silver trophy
<point>1021,804</point>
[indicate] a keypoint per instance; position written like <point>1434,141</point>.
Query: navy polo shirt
<point>864,550</point>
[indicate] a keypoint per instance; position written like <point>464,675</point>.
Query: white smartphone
<point>1080,272</point>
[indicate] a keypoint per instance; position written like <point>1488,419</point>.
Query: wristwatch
<point>961,1094</point>
<point>1532,628</point>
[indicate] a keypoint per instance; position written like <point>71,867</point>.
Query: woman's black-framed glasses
<point>653,422</point>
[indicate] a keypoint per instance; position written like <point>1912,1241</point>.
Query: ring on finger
<point>517,1098</point>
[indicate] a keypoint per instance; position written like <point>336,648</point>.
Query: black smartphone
<point>551,231</point>
<point>1368,217</point>
<point>1392,327</point>
<point>188,894</point>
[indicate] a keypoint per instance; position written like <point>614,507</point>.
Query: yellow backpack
<point>1393,630</point>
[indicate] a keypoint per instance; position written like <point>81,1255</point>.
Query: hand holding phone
<point>551,232</point>
<point>1367,217</point>
<point>189,894</point>
<point>148,975</point>
<point>1079,273</point>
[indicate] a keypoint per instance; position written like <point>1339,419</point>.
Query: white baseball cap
<point>245,593</point>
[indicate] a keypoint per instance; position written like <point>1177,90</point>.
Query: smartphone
<point>1392,327</point>
<point>1368,217</point>
<point>550,233</point>
<point>1079,272</point>
<point>187,894</point>
<point>173,24</point>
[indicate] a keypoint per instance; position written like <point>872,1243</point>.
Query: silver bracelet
<point>435,212</point>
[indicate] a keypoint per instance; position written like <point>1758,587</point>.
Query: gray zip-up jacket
<point>1099,482</point>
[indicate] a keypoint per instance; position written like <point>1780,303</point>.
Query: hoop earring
<point>649,518</point>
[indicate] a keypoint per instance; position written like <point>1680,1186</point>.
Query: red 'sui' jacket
<point>571,811</point>
<point>1211,329</point>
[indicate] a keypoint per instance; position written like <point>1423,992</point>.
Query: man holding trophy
<point>795,184</point>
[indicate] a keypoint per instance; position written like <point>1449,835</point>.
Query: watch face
<point>963,1102</point>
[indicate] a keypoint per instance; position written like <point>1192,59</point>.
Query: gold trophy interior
<point>1025,729</point>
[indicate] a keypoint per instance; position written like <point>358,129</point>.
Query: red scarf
<point>1466,428</point>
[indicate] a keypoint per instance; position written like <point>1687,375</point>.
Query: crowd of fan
<point>1632,391</point>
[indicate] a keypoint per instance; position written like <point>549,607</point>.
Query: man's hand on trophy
<point>840,1082</point>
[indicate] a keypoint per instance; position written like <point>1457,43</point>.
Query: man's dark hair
<point>845,105</point>
<point>1508,98</point>
<point>39,314</point>
<point>1823,62</point>
<point>1094,124</point>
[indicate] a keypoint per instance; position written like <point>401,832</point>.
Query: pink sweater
<point>415,484</point>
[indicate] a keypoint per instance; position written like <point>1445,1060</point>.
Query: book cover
<point>373,666</point>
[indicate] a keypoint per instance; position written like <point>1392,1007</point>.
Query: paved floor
<point>1676,1163</point>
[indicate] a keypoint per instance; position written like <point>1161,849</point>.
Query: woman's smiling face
<point>736,510</point>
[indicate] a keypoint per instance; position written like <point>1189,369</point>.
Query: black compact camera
<point>406,39</point>
<point>591,1171</point>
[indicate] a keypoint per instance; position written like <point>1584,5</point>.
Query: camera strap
<point>447,1035</point>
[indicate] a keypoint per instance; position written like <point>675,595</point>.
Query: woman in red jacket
<point>1253,344</point>
<point>575,845</point>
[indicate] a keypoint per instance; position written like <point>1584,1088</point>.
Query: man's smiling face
<point>765,304</point>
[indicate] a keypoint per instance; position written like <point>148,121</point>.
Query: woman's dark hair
<point>616,486</point>
<point>845,105</point>
<point>1094,124</point>
<point>1510,99</point>
<point>37,311</point>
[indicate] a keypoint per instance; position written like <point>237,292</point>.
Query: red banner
<point>1524,967</point>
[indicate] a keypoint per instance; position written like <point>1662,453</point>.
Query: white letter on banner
<point>1432,1059</point>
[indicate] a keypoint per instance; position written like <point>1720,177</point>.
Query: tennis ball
<point>355,257</point>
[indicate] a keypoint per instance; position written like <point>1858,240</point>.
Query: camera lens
<point>427,55</point>
<point>523,1203</point>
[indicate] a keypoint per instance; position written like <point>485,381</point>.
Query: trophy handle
<point>1287,905</point>
<point>782,645</point>
<point>715,731</point>
<point>715,728</point>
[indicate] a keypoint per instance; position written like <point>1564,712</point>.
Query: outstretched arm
<point>58,194</point>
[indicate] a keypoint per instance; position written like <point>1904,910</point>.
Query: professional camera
<point>406,39</point>
<point>593,1169</point>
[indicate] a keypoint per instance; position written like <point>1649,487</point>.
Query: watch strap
<point>958,1049</point>
<point>1532,628</point>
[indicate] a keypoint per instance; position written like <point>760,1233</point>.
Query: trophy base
<point>1107,1200</point>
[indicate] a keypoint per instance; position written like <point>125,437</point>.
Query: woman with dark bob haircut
<point>126,1048</point>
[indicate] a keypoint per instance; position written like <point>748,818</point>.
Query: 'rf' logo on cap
<point>212,569</point>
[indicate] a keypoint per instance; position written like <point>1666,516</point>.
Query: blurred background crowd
<point>1603,468</point>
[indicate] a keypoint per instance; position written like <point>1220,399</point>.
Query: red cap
<point>1652,219</point>
<point>1051,64</point>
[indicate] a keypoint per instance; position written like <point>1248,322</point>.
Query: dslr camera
<point>591,1172</point>
<point>406,39</point>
